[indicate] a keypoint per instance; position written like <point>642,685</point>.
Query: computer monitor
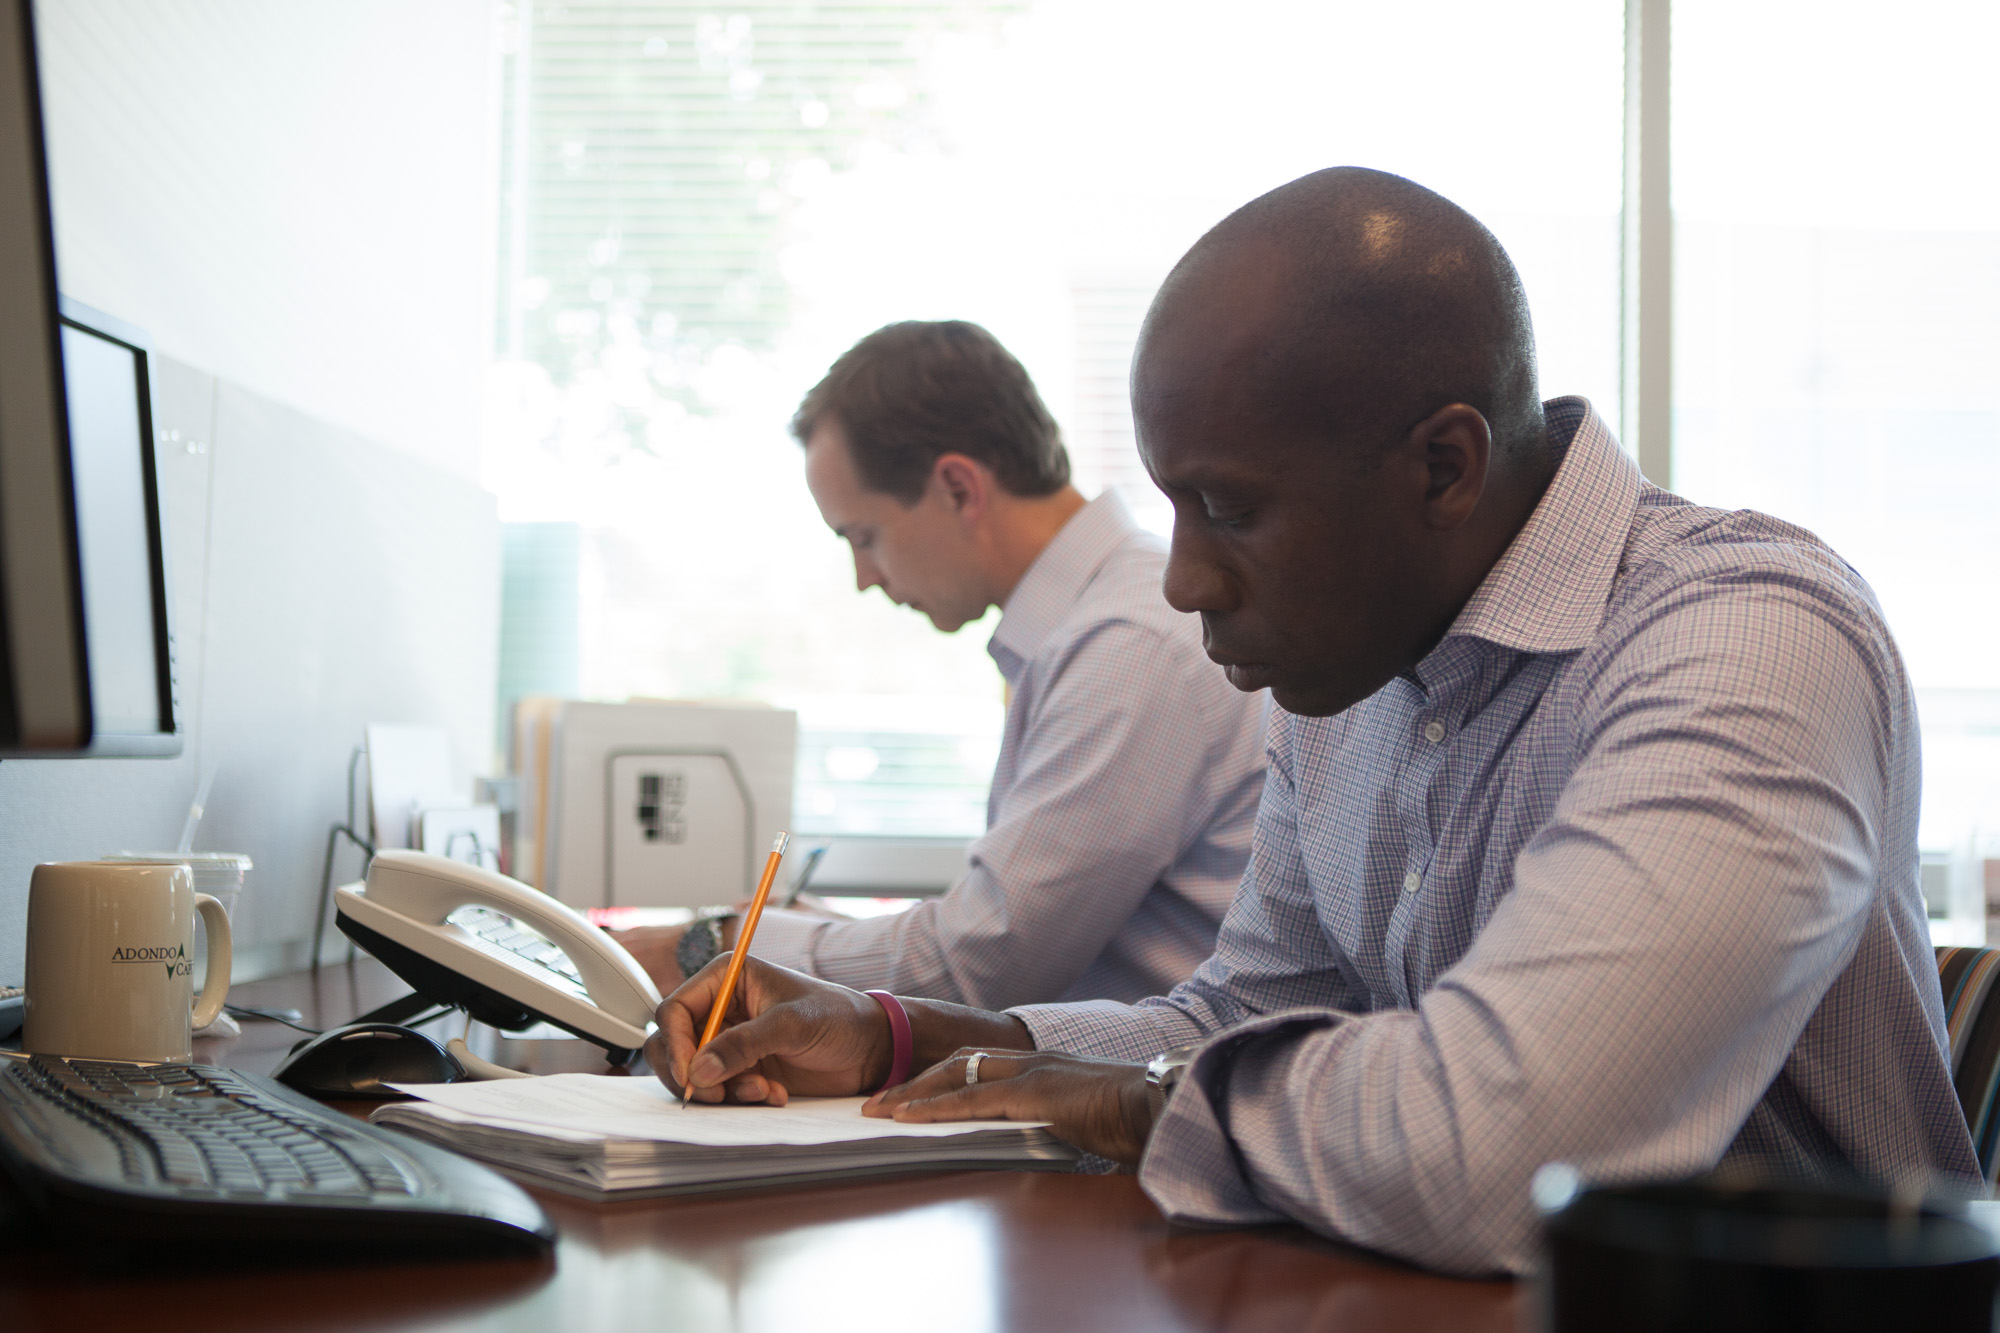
<point>86,639</point>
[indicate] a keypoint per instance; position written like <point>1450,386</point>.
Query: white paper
<point>641,1108</point>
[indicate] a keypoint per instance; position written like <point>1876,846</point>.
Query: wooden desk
<point>985,1251</point>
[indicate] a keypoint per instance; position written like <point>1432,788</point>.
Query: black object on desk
<point>362,1059</point>
<point>13,1007</point>
<point>164,1159</point>
<point>1720,1256</point>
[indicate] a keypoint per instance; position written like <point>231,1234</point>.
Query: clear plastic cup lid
<point>219,860</point>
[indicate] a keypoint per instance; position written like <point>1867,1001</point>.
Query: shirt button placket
<point>1434,731</point>
<point>1411,882</point>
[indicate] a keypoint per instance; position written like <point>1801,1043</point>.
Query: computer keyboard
<point>193,1156</point>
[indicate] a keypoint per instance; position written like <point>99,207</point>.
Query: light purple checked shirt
<point>1623,874</point>
<point>1118,824</point>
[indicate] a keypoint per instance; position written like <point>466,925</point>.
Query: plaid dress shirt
<point>1119,819</point>
<point>1623,874</point>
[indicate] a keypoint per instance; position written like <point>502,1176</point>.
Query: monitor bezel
<point>167,741</point>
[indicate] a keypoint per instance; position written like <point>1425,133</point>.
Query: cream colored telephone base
<point>506,953</point>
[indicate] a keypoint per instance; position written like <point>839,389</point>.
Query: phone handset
<point>428,889</point>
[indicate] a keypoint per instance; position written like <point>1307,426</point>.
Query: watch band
<point>1163,1075</point>
<point>700,943</point>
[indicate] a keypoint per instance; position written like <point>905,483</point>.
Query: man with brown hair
<point>1129,770</point>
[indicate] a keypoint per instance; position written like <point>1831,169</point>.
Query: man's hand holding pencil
<point>785,1033</point>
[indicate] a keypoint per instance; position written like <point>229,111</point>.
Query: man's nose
<point>866,575</point>
<point>1194,581</point>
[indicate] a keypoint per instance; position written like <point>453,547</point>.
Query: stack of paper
<point>598,1134</point>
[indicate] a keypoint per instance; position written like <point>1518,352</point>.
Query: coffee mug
<point>111,961</point>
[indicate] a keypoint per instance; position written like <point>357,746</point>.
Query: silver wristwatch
<point>702,940</point>
<point>1163,1075</point>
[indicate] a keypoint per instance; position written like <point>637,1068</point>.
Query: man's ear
<point>1456,446</point>
<point>965,484</point>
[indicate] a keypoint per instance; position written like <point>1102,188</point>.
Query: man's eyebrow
<point>1213,477</point>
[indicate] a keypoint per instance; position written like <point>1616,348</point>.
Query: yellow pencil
<point>738,954</point>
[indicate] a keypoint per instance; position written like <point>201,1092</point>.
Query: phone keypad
<point>500,935</point>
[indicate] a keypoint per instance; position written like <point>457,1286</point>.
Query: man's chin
<point>945,624</point>
<point>1307,700</point>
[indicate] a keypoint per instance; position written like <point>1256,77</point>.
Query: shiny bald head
<point>1360,302</point>
<point>1335,389</point>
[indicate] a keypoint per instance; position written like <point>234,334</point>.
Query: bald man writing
<point>1589,830</point>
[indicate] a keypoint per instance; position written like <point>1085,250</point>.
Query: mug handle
<point>214,986</point>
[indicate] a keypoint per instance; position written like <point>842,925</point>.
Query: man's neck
<point>1023,527</point>
<point>1514,498</point>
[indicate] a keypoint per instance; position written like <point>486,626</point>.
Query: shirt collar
<point>1057,578</point>
<point>1548,591</point>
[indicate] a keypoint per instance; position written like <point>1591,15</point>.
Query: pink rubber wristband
<point>899,1032</point>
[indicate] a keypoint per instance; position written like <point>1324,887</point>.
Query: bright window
<point>1837,323</point>
<point>705,206</point>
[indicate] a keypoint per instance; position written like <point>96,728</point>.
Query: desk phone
<point>506,953</point>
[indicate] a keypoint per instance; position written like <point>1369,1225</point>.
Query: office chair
<point>1972,1020</point>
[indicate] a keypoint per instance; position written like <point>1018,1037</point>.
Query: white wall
<point>293,200</point>
<point>295,196</point>
<point>321,581</point>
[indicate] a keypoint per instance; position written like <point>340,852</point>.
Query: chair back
<point>1972,1020</point>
